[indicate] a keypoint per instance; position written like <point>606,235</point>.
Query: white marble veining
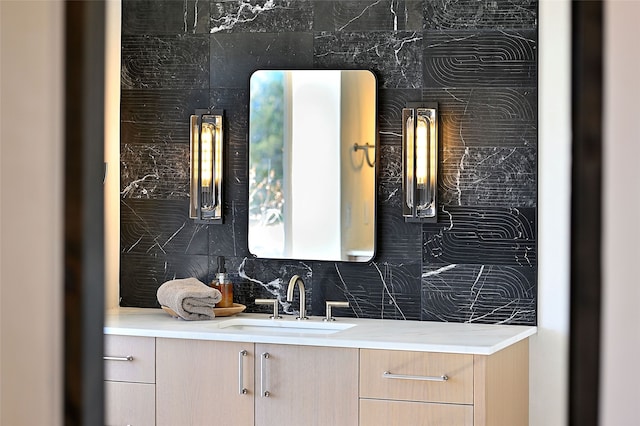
<point>479,339</point>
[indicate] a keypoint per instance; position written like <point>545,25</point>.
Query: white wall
<point>358,125</point>
<point>31,213</point>
<point>620,369</point>
<point>314,165</point>
<point>112,154</point>
<point>549,348</point>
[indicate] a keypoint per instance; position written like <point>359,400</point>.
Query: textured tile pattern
<point>366,16</point>
<point>165,61</point>
<point>476,58</point>
<point>479,58</point>
<point>395,56</point>
<point>260,16</point>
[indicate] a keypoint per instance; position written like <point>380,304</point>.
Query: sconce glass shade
<point>206,140</point>
<point>420,162</point>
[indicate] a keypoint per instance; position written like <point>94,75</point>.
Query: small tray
<point>219,312</point>
<point>225,312</point>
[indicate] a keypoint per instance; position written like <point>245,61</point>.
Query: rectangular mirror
<point>312,168</point>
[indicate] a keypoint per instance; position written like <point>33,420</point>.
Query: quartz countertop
<point>424,336</point>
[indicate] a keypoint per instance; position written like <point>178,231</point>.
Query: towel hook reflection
<point>366,147</point>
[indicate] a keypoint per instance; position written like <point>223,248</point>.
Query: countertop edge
<point>148,324</point>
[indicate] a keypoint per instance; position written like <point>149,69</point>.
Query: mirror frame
<point>358,256</point>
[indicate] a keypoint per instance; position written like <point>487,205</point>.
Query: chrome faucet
<point>292,284</point>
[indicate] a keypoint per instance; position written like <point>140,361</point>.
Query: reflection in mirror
<point>312,169</point>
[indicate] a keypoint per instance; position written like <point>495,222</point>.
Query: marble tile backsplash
<point>476,58</point>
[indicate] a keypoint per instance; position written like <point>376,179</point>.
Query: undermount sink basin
<point>283,326</point>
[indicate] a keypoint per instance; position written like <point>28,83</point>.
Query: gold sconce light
<point>420,162</point>
<point>206,166</point>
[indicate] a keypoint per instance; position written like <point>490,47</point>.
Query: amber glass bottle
<point>224,285</point>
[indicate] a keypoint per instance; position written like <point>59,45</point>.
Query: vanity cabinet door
<point>198,383</point>
<point>129,363</point>
<point>129,359</point>
<point>416,376</point>
<point>306,385</point>
<point>480,390</point>
<point>377,412</point>
<point>129,404</point>
<point>417,388</point>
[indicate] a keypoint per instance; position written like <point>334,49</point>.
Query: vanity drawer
<point>374,412</point>
<point>129,359</point>
<point>130,404</point>
<point>413,376</point>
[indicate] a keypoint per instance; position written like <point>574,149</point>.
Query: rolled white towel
<point>190,298</point>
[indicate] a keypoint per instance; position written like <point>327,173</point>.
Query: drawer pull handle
<point>263,373</point>
<point>241,388</point>
<point>388,375</point>
<point>118,358</point>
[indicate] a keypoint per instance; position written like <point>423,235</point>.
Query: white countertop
<point>480,339</point>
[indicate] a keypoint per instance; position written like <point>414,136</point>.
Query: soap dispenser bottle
<point>224,285</point>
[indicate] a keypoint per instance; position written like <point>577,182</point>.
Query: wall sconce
<point>206,166</point>
<point>420,162</point>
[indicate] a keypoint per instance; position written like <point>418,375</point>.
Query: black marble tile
<point>235,103</point>
<point>390,198</point>
<point>160,227</point>
<point>390,177</point>
<point>153,116</point>
<point>480,14</point>
<point>179,62</point>
<point>477,59</point>
<point>487,294</point>
<point>505,117</point>
<point>397,241</point>
<point>373,290</point>
<point>230,237</point>
<point>234,57</point>
<point>269,279</point>
<point>505,58</point>
<point>165,17</point>
<point>481,235</point>
<point>232,264</point>
<point>479,176</point>
<point>142,274</point>
<point>370,15</point>
<point>395,57</point>
<point>390,105</point>
<point>270,16</point>
<point>154,171</point>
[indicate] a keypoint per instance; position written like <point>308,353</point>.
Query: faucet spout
<point>292,284</point>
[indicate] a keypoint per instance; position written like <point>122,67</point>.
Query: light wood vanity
<point>178,376</point>
<point>130,377</point>
<point>479,390</point>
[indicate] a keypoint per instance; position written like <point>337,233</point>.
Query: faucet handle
<point>273,302</point>
<point>329,305</point>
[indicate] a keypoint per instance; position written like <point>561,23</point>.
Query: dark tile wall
<point>477,58</point>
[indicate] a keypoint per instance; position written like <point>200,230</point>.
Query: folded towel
<point>190,298</point>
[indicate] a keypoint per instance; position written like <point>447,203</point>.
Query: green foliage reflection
<point>266,141</point>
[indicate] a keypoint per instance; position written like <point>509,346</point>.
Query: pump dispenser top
<point>222,271</point>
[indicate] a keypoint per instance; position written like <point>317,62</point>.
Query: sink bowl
<point>283,326</point>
